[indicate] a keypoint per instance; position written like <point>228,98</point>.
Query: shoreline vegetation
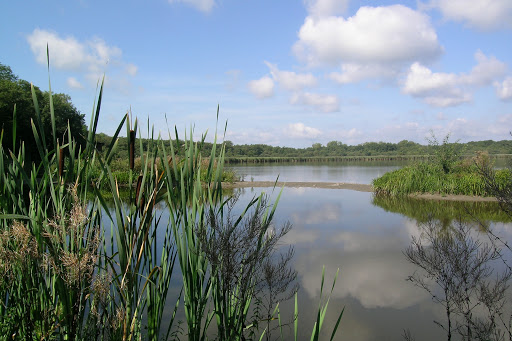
<point>76,267</point>
<point>447,173</point>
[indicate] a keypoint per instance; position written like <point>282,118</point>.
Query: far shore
<point>350,186</point>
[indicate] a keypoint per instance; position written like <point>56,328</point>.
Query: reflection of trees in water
<point>461,273</point>
<point>443,211</point>
<point>470,278</point>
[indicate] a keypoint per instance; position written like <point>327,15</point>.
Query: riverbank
<point>353,187</point>
<point>296,184</point>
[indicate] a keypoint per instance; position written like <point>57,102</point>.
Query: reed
<point>428,177</point>
<point>82,260</point>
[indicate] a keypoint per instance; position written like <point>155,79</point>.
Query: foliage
<point>332,151</point>
<point>464,178</point>
<point>446,154</point>
<point>247,270</point>
<point>21,94</point>
<point>102,271</point>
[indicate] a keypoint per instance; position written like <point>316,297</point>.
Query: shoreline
<point>353,187</point>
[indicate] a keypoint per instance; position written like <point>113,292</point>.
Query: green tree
<point>446,154</point>
<point>65,112</point>
<point>17,93</point>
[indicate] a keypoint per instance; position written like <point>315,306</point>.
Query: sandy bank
<point>328,185</point>
<point>350,186</point>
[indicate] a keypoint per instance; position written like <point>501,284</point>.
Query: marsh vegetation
<point>75,267</point>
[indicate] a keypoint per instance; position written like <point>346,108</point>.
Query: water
<point>365,239</point>
<point>354,172</point>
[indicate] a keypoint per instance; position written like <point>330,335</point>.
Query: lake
<point>354,172</point>
<point>364,238</point>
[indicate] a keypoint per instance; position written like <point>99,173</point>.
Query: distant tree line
<point>332,149</point>
<point>15,91</point>
<point>337,148</point>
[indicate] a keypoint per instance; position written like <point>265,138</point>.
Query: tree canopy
<point>17,92</point>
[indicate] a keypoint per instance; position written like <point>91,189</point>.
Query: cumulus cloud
<point>300,130</point>
<point>486,70</point>
<point>262,88</point>
<point>438,89</point>
<point>201,5</point>
<point>71,54</point>
<point>324,103</point>
<point>482,14</point>
<point>449,89</point>
<point>321,8</point>
<point>91,56</point>
<point>73,83</point>
<point>504,89</point>
<point>291,80</point>
<point>353,72</point>
<point>374,35</point>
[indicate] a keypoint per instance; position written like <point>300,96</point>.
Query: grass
<point>82,260</point>
<point>465,178</point>
<point>120,169</point>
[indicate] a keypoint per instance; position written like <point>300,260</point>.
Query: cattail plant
<point>67,276</point>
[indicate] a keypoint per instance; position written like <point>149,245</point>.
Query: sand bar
<point>350,186</point>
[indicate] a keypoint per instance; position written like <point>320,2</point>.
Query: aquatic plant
<point>78,266</point>
<point>425,177</point>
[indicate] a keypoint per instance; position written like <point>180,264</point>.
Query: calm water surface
<point>364,238</point>
<point>361,172</point>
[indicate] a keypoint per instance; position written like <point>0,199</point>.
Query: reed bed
<point>81,261</point>
<point>428,177</point>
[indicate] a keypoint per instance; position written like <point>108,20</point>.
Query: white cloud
<point>65,53</point>
<point>291,80</point>
<point>321,8</point>
<point>73,83</point>
<point>300,130</point>
<point>202,5</point>
<point>325,103</point>
<point>504,89</point>
<point>100,52</point>
<point>482,14</point>
<point>92,56</point>
<point>131,69</point>
<point>255,136</point>
<point>353,72</point>
<point>449,89</point>
<point>437,89</point>
<point>374,35</point>
<point>486,71</point>
<point>262,88</point>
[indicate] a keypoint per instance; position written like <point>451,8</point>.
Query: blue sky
<point>286,73</point>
